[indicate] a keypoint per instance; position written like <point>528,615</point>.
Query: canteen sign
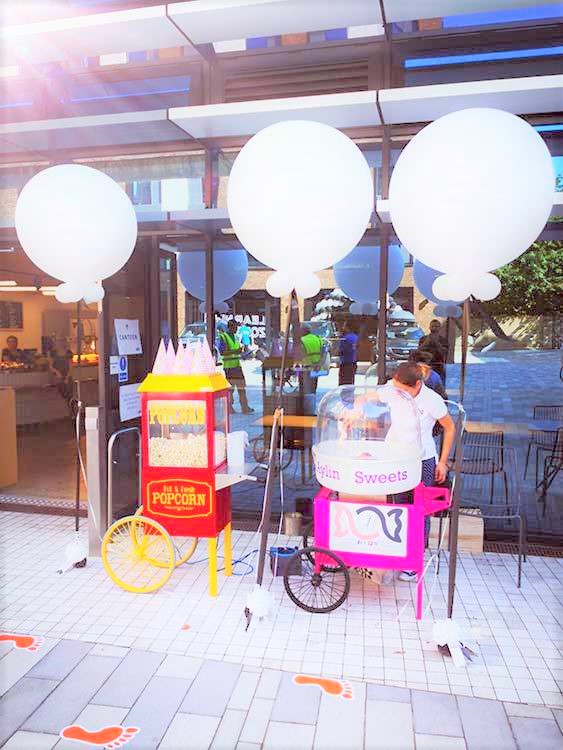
<point>368,529</point>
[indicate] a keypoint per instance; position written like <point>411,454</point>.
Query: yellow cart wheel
<point>138,554</point>
<point>184,546</point>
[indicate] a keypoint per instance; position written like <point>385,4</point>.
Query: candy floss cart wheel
<point>368,457</point>
<point>184,417</point>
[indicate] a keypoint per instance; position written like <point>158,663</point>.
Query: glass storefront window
<point>220,437</point>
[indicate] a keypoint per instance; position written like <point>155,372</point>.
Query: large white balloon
<point>308,285</point>
<point>76,223</point>
<point>230,269</point>
<point>279,284</point>
<point>472,191</point>
<point>300,196</point>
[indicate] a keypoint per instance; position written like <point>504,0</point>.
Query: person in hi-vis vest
<point>311,353</point>
<point>231,351</point>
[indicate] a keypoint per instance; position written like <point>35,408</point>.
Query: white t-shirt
<point>405,426</point>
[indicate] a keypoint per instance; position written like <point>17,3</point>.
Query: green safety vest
<point>231,354</point>
<point>312,348</point>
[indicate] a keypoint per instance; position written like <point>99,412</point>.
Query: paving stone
<point>229,730</point>
<point>61,660</point>
<point>31,741</point>
<point>248,746</point>
<point>103,649</point>
<point>72,695</point>
<point>434,742</point>
<point>129,679</point>
<point>20,702</point>
<point>257,719</point>
<point>174,665</point>
<point>244,691</point>
<point>341,721</point>
<point>18,662</point>
<point>190,732</point>
<point>211,690</point>
<point>485,724</point>
<point>280,736</point>
<point>435,713</point>
<point>92,718</point>
<point>269,684</point>
<point>559,718</point>
<point>389,726</point>
<point>388,693</point>
<point>528,712</point>
<point>154,710</point>
<point>297,704</point>
<point>536,734</point>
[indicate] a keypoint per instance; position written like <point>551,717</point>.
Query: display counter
<point>38,400</point>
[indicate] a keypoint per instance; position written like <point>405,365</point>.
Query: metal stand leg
<point>228,551</point>
<point>419,593</point>
<point>212,566</point>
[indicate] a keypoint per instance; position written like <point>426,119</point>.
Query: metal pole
<point>464,337</point>
<point>209,307</point>
<point>383,260</point>
<point>78,414</point>
<point>454,520</point>
<point>382,315</point>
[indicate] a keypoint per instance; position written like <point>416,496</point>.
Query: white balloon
<point>219,307</point>
<point>76,223</point>
<point>308,285</point>
<point>94,293</point>
<point>452,286</point>
<point>356,308</point>
<point>279,284</point>
<point>486,287</point>
<point>472,191</point>
<point>300,196</point>
<point>69,292</point>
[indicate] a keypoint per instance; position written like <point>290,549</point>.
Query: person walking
<point>231,351</point>
<point>348,352</point>
<point>437,344</point>
<point>312,349</point>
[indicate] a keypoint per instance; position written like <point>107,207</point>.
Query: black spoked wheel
<point>308,543</point>
<point>260,451</point>
<point>317,588</point>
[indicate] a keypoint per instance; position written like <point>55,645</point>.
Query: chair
<point>540,439</point>
<point>483,455</point>
<point>503,513</point>
<point>553,463</point>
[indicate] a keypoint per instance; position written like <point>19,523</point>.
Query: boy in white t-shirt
<point>409,378</point>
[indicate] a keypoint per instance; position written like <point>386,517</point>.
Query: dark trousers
<point>347,373</point>
<point>235,376</point>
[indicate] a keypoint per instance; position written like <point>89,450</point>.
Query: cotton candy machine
<point>368,441</point>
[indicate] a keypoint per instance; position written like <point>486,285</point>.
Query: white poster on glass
<point>129,402</point>
<point>128,336</point>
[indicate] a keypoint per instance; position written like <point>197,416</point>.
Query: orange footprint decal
<point>338,688</point>
<point>27,642</point>
<point>110,737</point>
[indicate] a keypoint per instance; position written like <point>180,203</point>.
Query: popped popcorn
<point>189,451</point>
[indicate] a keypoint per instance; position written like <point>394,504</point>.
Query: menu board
<point>11,315</point>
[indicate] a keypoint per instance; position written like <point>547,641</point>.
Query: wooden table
<point>306,422</point>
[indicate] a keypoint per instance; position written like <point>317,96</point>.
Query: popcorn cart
<point>185,480</point>
<point>371,508</point>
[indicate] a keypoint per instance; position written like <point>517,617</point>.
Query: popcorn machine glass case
<point>185,426</point>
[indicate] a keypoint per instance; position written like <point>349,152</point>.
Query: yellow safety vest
<point>231,354</point>
<point>312,346</point>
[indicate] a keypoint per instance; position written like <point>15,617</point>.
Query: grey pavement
<point>180,703</point>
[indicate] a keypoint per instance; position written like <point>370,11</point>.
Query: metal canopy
<point>517,95</point>
<point>347,110</point>
<point>87,132</point>
<point>223,20</point>
<point>90,35</point>
<point>205,21</point>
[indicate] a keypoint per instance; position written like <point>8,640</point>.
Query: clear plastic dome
<point>368,440</point>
